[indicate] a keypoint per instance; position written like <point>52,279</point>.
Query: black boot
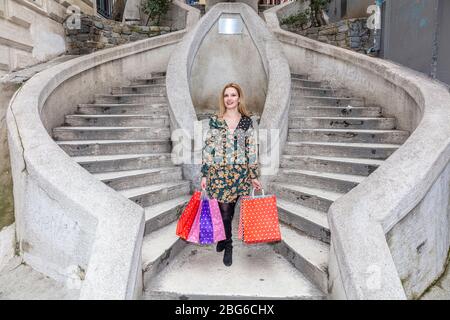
<point>220,246</point>
<point>228,256</point>
<point>227,212</point>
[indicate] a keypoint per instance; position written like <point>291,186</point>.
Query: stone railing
<point>68,223</point>
<point>276,106</point>
<point>390,234</point>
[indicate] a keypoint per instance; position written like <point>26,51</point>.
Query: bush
<point>155,9</point>
<point>297,20</point>
<point>311,16</point>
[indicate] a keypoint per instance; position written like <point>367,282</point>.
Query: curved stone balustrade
<point>69,224</point>
<point>390,234</point>
<point>276,105</point>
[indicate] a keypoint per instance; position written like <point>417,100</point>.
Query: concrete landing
<point>257,273</point>
<point>20,282</point>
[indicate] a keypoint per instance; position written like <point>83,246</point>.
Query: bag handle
<point>203,194</point>
<point>253,192</point>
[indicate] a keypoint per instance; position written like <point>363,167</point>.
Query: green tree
<point>155,9</point>
<point>317,6</point>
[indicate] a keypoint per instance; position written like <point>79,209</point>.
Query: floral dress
<point>229,159</point>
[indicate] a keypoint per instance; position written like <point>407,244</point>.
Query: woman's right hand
<point>203,183</point>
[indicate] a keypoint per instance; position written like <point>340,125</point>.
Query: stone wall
<point>350,34</point>
<point>96,33</point>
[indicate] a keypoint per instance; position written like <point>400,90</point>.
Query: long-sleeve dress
<point>229,159</point>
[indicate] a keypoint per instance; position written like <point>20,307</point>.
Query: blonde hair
<point>241,104</point>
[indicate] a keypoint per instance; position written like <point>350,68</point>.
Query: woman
<point>229,167</point>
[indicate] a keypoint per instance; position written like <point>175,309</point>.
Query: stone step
<point>109,147</point>
<point>117,120</point>
<point>341,149</point>
<point>311,91</point>
<point>313,198</point>
<point>164,213</point>
<point>353,166</point>
<point>145,81</point>
<point>145,88</point>
<point>336,182</point>
<point>306,83</point>
<point>110,163</point>
<point>257,273</point>
<point>326,101</point>
<point>156,74</point>
<point>127,179</point>
<point>159,248</point>
<point>348,135</point>
<point>331,111</point>
<point>299,76</point>
<point>123,108</point>
<point>308,255</point>
<point>131,98</point>
<point>341,123</point>
<point>312,222</point>
<point>108,133</point>
<point>153,194</point>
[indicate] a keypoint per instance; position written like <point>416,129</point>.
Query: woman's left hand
<point>256,184</point>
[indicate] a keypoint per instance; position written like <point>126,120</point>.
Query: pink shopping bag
<point>219,230</point>
<point>194,234</point>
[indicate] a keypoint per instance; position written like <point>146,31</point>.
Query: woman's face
<point>231,98</point>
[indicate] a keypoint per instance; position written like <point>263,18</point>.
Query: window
<point>105,8</point>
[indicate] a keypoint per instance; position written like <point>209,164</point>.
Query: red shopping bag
<point>258,220</point>
<point>187,217</point>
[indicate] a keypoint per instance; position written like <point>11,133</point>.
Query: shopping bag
<point>206,227</point>
<point>195,229</point>
<point>217,222</point>
<point>258,221</point>
<point>187,217</point>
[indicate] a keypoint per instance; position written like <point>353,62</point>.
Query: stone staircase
<point>334,142</point>
<point>123,139</point>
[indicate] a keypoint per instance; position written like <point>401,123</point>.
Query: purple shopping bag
<point>206,227</point>
<point>217,222</point>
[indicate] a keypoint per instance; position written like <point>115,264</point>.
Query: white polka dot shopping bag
<point>259,219</point>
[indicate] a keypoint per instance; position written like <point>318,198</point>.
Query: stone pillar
<point>131,14</point>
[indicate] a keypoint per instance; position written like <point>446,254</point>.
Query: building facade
<point>415,34</point>
<point>348,9</point>
<point>31,31</point>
